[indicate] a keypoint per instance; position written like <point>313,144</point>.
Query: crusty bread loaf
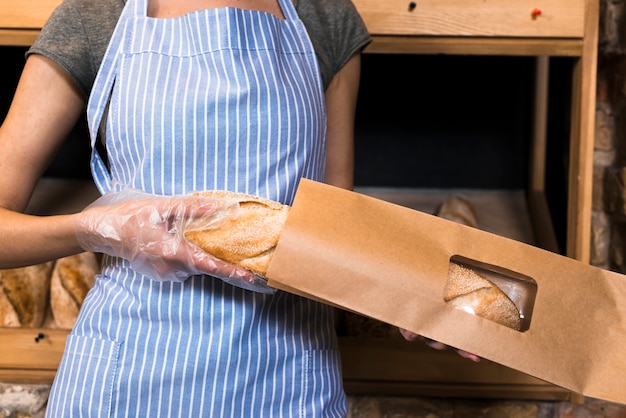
<point>471,291</point>
<point>249,239</point>
<point>72,278</point>
<point>460,210</point>
<point>24,295</point>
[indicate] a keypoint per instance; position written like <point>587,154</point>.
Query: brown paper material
<point>391,263</point>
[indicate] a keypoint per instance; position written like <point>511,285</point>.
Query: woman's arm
<point>341,98</point>
<point>46,106</point>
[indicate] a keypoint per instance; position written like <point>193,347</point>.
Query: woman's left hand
<point>410,336</point>
<point>148,231</point>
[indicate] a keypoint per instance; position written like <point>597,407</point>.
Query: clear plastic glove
<point>411,336</point>
<point>148,231</point>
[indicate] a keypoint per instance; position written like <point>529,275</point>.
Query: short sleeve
<point>336,30</point>
<point>76,36</point>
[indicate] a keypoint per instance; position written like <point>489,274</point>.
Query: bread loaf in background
<point>72,278</point>
<point>24,295</point>
<point>248,240</point>
<point>460,210</point>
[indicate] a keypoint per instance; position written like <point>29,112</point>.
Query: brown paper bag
<point>391,263</point>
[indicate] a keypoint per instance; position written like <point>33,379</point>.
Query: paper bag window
<point>490,292</point>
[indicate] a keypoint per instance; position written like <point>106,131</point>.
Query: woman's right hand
<point>411,336</point>
<point>148,231</point>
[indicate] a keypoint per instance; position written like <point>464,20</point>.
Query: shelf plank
<point>508,18</point>
<point>392,44</point>
<point>25,14</point>
<point>21,351</point>
<point>18,37</point>
<point>463,391</point>
<point>27,376</point>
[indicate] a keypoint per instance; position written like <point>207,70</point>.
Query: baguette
<point>249,239</point>
<point>468,290</point>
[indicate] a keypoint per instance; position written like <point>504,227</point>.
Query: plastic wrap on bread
<point>147,230</point>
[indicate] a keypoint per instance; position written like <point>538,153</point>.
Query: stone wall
<point>609,190</point>
<point>23,401</point>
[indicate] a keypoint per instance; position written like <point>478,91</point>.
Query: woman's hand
<point>148,231</point>
<point>410,336</point>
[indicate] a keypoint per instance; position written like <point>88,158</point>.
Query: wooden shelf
<point>25,14</point>
<point>18,37</point>
<point>484,27</point>
<point>460,18</point>
<point>21,20</point>
<point>566,28</point>
<point>450,45</point>
<point>506,28</point>
<point>464,27</point>
<point>26,359</point>
<point>400,368</point>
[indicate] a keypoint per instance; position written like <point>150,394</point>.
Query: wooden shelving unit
<point>535,28</point>
<point>541,29</point>
<point>464,27</point>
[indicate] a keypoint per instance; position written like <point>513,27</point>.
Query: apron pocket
<point>84,382</point>
<point>322,384</point>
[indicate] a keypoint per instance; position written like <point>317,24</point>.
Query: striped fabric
<point>217,99</point>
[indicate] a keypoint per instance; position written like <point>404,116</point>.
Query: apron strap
<point>101,93</point>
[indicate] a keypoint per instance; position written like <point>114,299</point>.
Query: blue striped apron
<point>217,99</point>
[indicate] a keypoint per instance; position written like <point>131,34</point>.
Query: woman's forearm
<point>27,240</point>
<point>30,136</point>
<point>341,97</point>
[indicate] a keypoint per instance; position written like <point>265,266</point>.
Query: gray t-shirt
<point>78,32</point>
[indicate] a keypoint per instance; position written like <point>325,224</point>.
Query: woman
<point>242,95</point>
